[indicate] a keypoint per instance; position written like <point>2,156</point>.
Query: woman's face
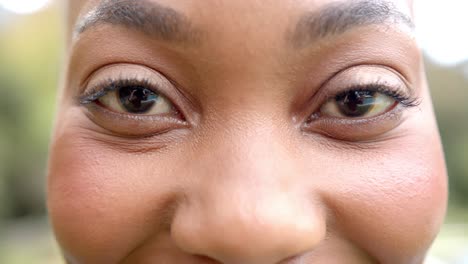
<point>245,132</point>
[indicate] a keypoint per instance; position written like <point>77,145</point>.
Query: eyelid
<point>362,77</point>
<point>359,76</point>
<point>370,74</point>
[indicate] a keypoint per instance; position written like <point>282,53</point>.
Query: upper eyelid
<point>395,74</point>
<point>123,72</point>
<point>364,75</point>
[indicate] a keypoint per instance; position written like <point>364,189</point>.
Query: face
<point>234,132</point>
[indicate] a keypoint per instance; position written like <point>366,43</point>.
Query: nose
<point>247,205</point>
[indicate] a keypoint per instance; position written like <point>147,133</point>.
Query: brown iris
<point>136,99</point>
<point>355,103</point>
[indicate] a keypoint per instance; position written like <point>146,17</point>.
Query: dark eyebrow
<point>149,17</point>
<point>339,17</point>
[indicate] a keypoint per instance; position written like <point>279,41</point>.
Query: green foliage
<point>29,56</point>
<point>449,90</point>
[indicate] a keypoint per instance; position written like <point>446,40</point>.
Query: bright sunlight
<point>23,6</point>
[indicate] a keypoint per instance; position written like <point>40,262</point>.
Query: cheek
<point>103,202</point>
<point>393,202</point>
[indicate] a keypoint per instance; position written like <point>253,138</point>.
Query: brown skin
<point>244,177</point>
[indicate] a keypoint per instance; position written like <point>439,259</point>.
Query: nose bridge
<point>247,206</point>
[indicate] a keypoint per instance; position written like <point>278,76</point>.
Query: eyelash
<point>110,85</point>
<point>405,100</point>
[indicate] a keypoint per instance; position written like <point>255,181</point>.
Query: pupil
<point>355,103</point>
<point>136,99</point>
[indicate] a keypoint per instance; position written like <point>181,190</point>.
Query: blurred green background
<point>30,55</point>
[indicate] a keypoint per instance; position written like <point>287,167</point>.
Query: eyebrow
<point>168,24</point>
<point>150,18</point>
<point>340,17</point>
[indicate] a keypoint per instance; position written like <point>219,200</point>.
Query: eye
<point>358,104</point>
<point>135,99</point>
<point>361,103</point>
<point>132,100</point>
